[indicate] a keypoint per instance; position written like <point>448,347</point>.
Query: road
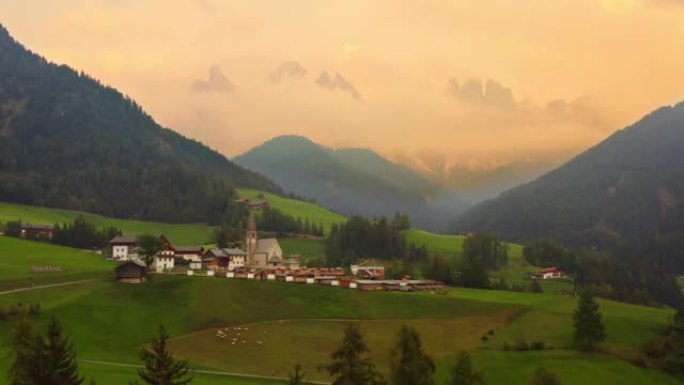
<point>45,286</point>
<point>212,372</point>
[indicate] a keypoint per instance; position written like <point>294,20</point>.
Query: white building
<point>124,247</point>
<point>164,260</point>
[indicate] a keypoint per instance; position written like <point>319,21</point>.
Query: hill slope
<point>350,181</point>
<point>67,141</point>
<point>629,187</point>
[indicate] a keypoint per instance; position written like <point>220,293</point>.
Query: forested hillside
<point>68,141</point>
<point>349,181</point>
<point>626,194</point>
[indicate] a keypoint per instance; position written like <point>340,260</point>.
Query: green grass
<point>18,256</point>
<point>307,248</point>
<point>181,234</point>
<point>450,246</point>
<point>297,208</point>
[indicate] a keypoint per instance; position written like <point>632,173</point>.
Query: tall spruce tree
<point>149,246</point>
<point>545,377</point>
<point>409,363</point>
<point>350,364</point>
<point>54,359</point>
<point>589,330</point>
<point>463,372</point>
<point>23,341</point>
<point>160,367</point>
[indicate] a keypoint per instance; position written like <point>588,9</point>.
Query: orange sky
<point>471,82</point>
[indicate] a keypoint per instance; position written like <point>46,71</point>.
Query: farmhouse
<point>192,254</point>
<point>368,270</point>
<point>222,260</point>
<point>551,273</point>
<point>164,260</point>
<point>123,247</point>
<point>131,272</point>
<point>37,231</point>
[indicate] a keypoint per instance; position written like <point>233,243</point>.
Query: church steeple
<point>251,236</point>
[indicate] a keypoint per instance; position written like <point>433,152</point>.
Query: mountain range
<point>628,188</point>
<point>352,181</point>
<point>68,141</point>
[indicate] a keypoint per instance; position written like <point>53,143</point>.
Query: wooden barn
<point>131,272</point>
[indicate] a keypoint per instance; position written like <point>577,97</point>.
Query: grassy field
<point>302,322</point>
<point>307,248</point>
<point>181,234</point>
<point>18,257</point>
<point>297,208</point>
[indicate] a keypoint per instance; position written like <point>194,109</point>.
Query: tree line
<point>627,275</point>
<point>78,233</point>
<point>360,238</point>
<point>272,219</point>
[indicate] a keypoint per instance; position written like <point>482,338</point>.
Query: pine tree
<point>297,377</point>
<point>22,346</point>
<point>410,365</point>
<point>160,367</point>
<point>463,373</point>
<point>55,359</point>
<point>589,330</point>
<point>545,377</point>
<point>349,365</point>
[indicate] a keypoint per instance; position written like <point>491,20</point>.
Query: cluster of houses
<point>262,260</point>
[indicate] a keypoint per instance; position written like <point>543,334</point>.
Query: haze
<point>474,83</point>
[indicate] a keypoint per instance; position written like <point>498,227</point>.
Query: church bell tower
<point>251,239</point>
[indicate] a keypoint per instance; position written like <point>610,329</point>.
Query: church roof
<point>263,245</point>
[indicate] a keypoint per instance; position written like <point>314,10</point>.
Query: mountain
<point>67,141</point>
<point>630,187</point>
<point>350,181</point>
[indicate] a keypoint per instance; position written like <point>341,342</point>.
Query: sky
<point>476,83</point>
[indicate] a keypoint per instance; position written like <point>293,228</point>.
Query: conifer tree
<point>54,359</point>
<point>297,377</point>
<point>23,342</point>
<point>463,372</point>
<point>160,367</point>
<point>589,330</point>
<point>350,364</point>
<point>545,377</point>
<point>410,365</point>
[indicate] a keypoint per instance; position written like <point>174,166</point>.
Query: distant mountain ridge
<point>351,181</point>
<point>628,187</point>
<point>67,141</point>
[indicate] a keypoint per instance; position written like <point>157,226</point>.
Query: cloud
<point>338,82</point>
<point>474,92</point>
<point>217,82</point>
<point>289,69</point>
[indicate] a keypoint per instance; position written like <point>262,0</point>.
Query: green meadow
<point>296,208</point>
<point>181,234</point>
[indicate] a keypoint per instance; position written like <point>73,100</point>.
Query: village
<point>262,260</point>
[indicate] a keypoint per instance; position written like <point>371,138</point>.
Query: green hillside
<point>182,234</point>
<point>18,257</point>
<point>296,208</point>
<point>448,324</point>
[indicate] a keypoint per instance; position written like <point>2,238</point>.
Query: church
<point>261,252</point>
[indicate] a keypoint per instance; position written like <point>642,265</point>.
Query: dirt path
<point>212,372</point>
<point>45,286</point>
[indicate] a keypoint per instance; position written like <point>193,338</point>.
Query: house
<point>551,273</point>
<point>124,247</point>
<point>37,231</point>
<point>192,254</point>
<point>131,272</point>
<point>368,270</point>
<point>225,259</point>
<point>293,262</point>
<point>253,205</point>
<point>164,260</point>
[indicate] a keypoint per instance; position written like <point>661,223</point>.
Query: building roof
<point>188,249</point>
<point>263,245</point>
<point>551,270</point>
<point>235,251</point>
<point>36,227</point>
<point>275,259</point>
<point>127,239</point>
<point>137,263</point>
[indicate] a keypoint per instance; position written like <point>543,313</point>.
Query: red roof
<point>551,270</point>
